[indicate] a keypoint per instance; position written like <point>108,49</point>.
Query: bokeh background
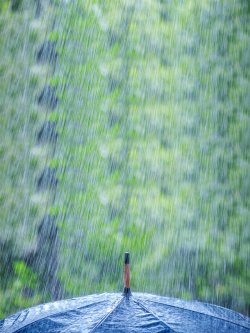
<point>124,126</point>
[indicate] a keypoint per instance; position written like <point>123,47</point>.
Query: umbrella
<point>127,312</point>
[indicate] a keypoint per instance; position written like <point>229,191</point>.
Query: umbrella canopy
<point>137,312</point>
<point>119,313</point>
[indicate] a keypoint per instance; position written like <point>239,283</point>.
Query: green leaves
<point>22,290</point>
<point>152,151</point>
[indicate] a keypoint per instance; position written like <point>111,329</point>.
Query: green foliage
<point>22,290</point>
<point>4,5</point>
<point>20,209</point>
<point>153,153</point>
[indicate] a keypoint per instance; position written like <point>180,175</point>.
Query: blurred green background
<point>124,127</point>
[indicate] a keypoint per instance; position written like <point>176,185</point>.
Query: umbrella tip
<point>127,258</point>
<point>127,291</point>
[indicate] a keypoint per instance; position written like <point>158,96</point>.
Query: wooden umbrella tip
<point>127,291</point>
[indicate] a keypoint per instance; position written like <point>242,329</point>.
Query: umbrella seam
<point>57,314</point>
<point>152,313</point>
<point>105,317</point>
<point>205,314</point>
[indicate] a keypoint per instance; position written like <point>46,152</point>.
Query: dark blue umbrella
<point>137,312</point>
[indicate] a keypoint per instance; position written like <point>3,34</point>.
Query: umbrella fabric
<point>113,312</point>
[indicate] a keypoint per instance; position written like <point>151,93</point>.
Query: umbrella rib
<point>106,316</point>
<point>205,314</point>
<point>57,314</point>
<point>153,314</point>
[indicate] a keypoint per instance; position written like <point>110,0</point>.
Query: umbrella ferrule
<point>127,291</point>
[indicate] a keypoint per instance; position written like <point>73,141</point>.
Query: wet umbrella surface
<point>113,312</point>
